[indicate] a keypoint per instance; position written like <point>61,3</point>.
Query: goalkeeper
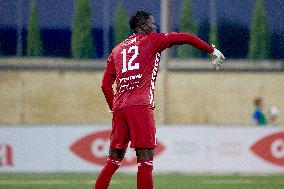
<point>133,65</point>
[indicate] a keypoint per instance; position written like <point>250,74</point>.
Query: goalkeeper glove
<point>217,58</point>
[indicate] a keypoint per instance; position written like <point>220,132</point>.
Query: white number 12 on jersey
<point>129,65</point>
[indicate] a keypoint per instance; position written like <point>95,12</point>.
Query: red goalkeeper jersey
<point>134,64</point>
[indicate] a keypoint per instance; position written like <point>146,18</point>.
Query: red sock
<point>109,169</point>
<point>144,174</point>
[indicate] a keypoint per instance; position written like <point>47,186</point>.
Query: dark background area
<point>233,17</point>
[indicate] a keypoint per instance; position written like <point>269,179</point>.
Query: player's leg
<point>141,123</point>
<point>145,168</point>
<point>144,153</point>
<point>113,163</point>
<point>118,143</point>
<point>117,153</point>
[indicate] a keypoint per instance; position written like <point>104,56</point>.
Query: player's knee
<point>144,153</point>
<point>144,160</point>
<point>117,153</point>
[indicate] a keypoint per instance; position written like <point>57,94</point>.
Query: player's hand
<point>217,58</point>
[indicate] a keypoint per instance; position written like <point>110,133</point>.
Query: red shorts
<point>135,124</point>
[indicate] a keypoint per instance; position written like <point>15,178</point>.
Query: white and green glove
<point>217,58</point>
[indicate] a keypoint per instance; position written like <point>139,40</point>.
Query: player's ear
<point>143,26</point>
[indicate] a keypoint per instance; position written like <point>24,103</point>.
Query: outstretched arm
<point>190,39</point>
<point>167,40</point>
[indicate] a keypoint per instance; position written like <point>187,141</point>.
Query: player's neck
<point>140,31</point>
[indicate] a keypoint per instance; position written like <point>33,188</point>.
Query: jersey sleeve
<point>108,80</point>
<point>167,40</point>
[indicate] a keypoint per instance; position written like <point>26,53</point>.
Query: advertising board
<point>198,149</point>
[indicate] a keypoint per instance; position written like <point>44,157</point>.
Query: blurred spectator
<point>260,117</point>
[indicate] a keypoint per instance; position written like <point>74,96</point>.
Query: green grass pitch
<point>128,181</point>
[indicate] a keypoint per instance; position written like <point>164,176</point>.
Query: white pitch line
<point>44,182</point>
<point>239,182</point>
<point>64,182</point>
<point>54,182</point>
<point>226,181</point>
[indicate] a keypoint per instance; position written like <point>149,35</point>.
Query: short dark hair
<point>138,18</point>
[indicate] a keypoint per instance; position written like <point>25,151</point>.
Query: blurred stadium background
<point>50,95</point>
